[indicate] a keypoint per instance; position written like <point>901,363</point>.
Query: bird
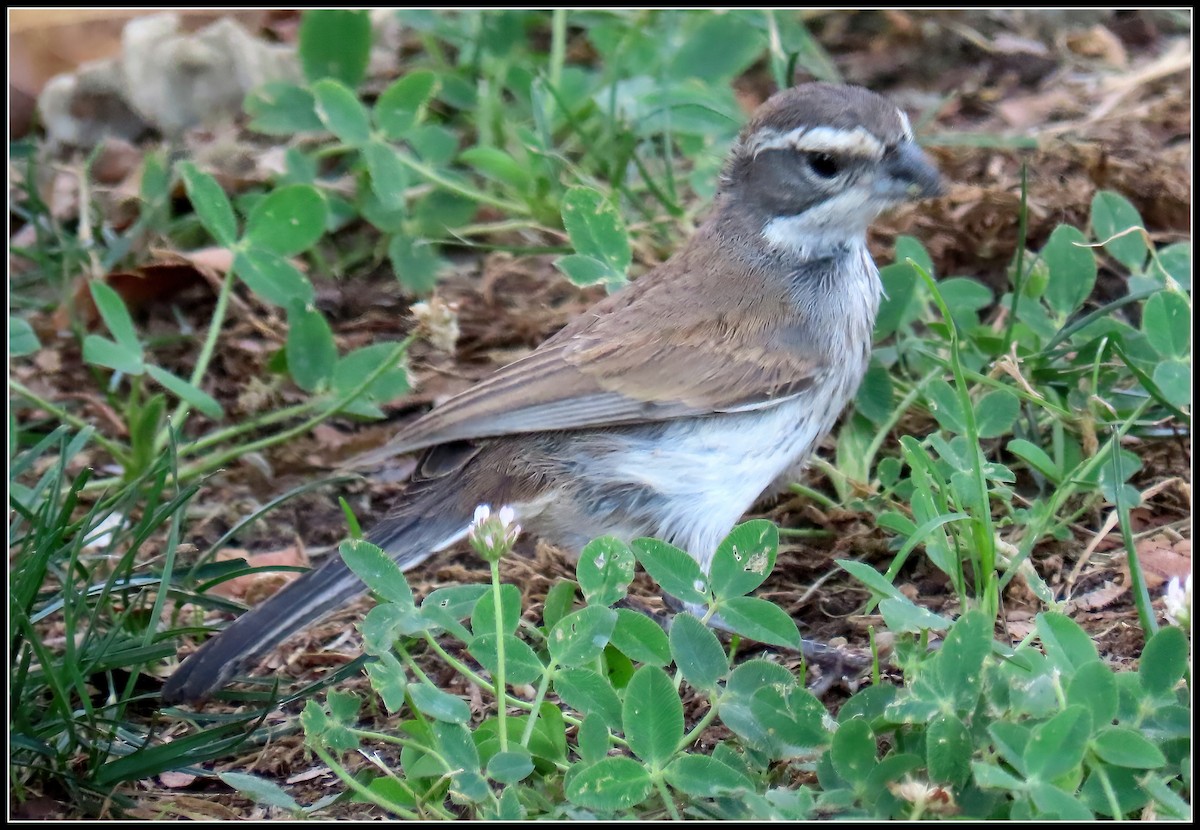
<point>671,405</point>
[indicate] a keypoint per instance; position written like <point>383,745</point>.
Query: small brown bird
<point>669,407</point>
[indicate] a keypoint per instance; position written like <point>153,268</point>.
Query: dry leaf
<point>176,780</point>
<point>1162,558</point>
<point>1099,42</point>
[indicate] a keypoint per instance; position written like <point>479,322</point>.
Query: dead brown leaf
<point>1162,558</point>
<point>138,287</point>
<point>1098,42</point>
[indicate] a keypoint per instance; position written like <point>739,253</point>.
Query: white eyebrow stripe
<point>855,142</point>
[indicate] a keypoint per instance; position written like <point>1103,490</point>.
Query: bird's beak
<point>909,174</point>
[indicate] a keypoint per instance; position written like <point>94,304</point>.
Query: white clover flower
<point>492,536</point>
<point>1178,602</point>
<point>927,797</point>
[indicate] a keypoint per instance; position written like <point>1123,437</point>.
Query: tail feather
<point>409,538</point>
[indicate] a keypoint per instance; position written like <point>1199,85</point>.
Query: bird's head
<point>818,162</point>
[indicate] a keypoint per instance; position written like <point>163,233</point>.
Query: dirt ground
<point>1106,98</point>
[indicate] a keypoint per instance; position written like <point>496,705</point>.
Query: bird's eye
<point>823,164</point>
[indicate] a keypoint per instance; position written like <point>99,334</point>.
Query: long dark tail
<point>409,537</point>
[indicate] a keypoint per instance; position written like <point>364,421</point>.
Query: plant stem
<point>666,796</point>
<point>223,435</point>
<point>114,449</point>
<point>543,687</point>
<point>558,46</point>
<point>501,709</point>
<point>217,460</point>
<point>362,790</point>
<point>206,352</point>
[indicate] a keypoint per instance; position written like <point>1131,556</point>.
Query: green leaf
<point>399,107</point>
<point>1176,261</point>
<point>996,413</point>
<point>437,704</point>
<point>868,702</point>
<point>1056,747</point>
<point>100,351</point>
<point>1125,747</point>
<point>760,620</point>
<point>342,113</point>
<point>498,166</point>
<point>211,204</point>
<point>640,638</point>
<point>384,623</point>
<point>674,571</point>
<point>744,558</point>
<point>437,146</point>
<point>652,716</point>
<point>752,675</point>
<point>1174,380</point>
<point>185,391</point>
<point>697,652</point>
<point>320,728</point>
<point>1072,269</point>
<point>590,694</point>
<point>1068,646</point>
<point>459,751</point>
<point>445,606</point>
<point>353,368</point>
<point>874,581</point>
<point>853,751</point>
<point>560,601</point>
<point>874,399</point>
<point>1113,214</point>
<point>282,108</point>
<point>260,790</point>
<point>596,228</point>
<point>521,665</point>
<point>905,615</point>
<point>960,662</point>
<point>991,776</point>
<point>897,307</point>
<point>718,50</point>
<point>115,315</point>
<point>580,637</point>
<point>1054,803</point>
<point>610,784</point>
<point>483,618</point>
<point>415,263</point>
<point>792,717</point>
<point>586,270</point>
<point>1035,457</point>
<point>592,738</point>
<point>605,569</point>
<point>389,176</point>
<point>1170,805</point>
<point>272,278</point>
<point>964,297</point>
<point>378,570</point>
<point>948,750</point>
<point>1164,661</point>
<point>1094,687</point>
<point>311,352</point>
<point>288,220</point>
<point>511,766</point>
<point>22,339</point>
<point>1167,322</point>
<point>943,403</point>
<point>704,777</point>
<point>335,43</point>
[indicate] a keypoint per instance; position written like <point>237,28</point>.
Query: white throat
<point>837,224</point>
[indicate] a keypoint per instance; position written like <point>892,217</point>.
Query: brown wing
<point>588,380</point>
